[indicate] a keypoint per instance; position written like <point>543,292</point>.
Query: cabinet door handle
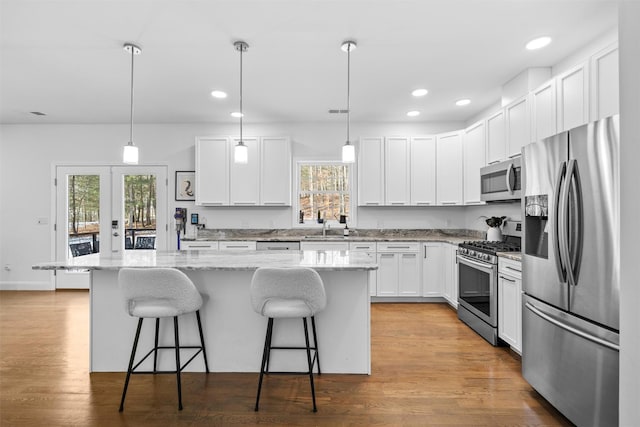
<point>398,203</point>
<point>372,203</point>
<point>387,255</point>
<point>449,203</point>
<point>244,203</point>
<point>507,279</point>
<point>495,161</point>
<point>425,252</point>
<point>423,203</point>
<point>512,269</point>
<point>409,255</point>
<point>274,203</point>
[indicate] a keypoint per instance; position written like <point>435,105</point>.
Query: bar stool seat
<point>288,293</point>
<point>160,293</point>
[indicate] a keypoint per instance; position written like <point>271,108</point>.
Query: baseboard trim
<point>26,286</point>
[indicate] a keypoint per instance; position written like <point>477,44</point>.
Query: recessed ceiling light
<point>218,94</point>
<point>413,113</point>
<point>419,92</point>
<point>237,114</point>
<point>463,102</point>
<point>538,43</point>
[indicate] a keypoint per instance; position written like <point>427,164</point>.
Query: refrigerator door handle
<point>509,171</point>
<point>573,235</point>
<point>557,244</point>
<point>571,329</point>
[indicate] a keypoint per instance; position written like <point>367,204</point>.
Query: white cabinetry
<point>449,182</point>
<point>496,147</point>
<point>237,245</point>
<point>451,275</point>
<point>605,89</point>
<point>370,249</point>
<point>573,97</point>
<point>543,111</point>
<point>434,255</point>
<point>275,171</point>
<point>244,179</point>
<point>474,158</point>
<point>212,171</point>
<point>517,123</point>
<point>371,172</point>
<point>264,181</point>
<point>399,269</point>
<point>199,245</point>
<point>422,165</point>
<point>396,162</point>
<point>510,302</point>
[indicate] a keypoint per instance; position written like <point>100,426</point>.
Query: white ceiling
<point>65,57</point>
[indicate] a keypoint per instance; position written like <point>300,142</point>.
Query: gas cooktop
<point>491,247</point>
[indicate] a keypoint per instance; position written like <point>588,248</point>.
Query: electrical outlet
<point>7,267</point>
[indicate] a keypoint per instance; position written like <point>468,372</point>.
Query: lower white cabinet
<point>450,291</point>
<point>399,273</point>
<point>434,255</point>
<point>324,246</point>
<point>510,303</point>
<point>370,249</point>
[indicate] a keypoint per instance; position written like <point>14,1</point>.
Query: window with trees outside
<point>323,187</point>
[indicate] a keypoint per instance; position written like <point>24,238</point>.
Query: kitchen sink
<point>321,237</point>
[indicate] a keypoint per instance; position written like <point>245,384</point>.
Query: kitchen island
<point>234,333</point>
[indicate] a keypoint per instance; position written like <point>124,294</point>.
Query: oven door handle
<point>484,267</point>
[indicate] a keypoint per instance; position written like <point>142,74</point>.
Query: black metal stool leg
<point>155,351</point>
<point>204,351</point>
<point>306,339</point>
<point>315,342</point>
<point>265,355</point>
<point>133,355</point>
<point>175,328</point>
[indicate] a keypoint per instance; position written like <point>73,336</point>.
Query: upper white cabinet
<point>449,180</point>
<point>573,97</point>
<point>517,123</point>
<point>371,172</point>
<point>496,142</point>
<point>397,171</point>
<point>212,171</point>
<point>275,173</point>
<point>543,111</point>
<point>264,181</point>
<point>605,89</point>
<point>422,165</point>
<point>473,141</point>
<point>244,179</point>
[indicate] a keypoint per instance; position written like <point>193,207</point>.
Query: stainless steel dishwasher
<point>277,246</point>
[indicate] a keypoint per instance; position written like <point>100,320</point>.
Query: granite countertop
<point>516,256</point>
<point>453,236</point>
<point>219,260</point>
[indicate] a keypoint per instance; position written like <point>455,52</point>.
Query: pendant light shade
<point>348,150</point>
<point>130,152</point>
<point>241,151</point>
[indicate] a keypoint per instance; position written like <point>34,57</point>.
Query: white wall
<point>29,151</point>
<point>629,16</point>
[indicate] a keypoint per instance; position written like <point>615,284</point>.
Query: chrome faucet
<point>325,227</point>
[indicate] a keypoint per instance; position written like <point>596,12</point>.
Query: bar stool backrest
<point>167,285</point>
<point>295,283</point>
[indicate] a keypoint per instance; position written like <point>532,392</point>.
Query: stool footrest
<point>155,349</point>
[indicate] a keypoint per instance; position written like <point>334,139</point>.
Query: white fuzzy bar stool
<point>157,293</point>
<point>288,293</point>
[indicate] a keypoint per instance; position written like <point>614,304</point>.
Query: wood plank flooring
<point>428,368</point>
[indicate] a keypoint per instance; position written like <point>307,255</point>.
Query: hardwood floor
<point>427,369</point>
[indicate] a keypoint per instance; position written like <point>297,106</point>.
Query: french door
<point>107,210</point>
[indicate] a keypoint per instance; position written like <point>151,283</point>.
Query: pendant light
<point>241,151</point>
<point>130,152</point>
<point>348,150</point>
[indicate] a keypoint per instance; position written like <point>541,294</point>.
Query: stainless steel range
<point>478,281</point>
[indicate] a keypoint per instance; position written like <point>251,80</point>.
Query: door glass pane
<point>83,218</point>
<point>140,211</point>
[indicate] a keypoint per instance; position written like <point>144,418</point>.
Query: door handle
<point>509,170</point>
<point>574,242</point>
<point>557,253</point>
<point>116,234</point>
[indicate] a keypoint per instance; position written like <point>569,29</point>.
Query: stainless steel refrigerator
<point>570,271</point>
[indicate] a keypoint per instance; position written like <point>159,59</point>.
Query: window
<point>323,187</point>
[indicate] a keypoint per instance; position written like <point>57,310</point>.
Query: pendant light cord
<point>348,89</point>
<point>131,115</point>
<point>241,114</point>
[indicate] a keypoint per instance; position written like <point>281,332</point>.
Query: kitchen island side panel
<point>234,333</point>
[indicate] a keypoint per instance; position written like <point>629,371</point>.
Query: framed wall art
<point>185,185</point>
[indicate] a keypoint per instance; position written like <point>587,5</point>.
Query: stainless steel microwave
<point>501,181</point>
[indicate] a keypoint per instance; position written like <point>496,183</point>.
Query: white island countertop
<point>219,260</point>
